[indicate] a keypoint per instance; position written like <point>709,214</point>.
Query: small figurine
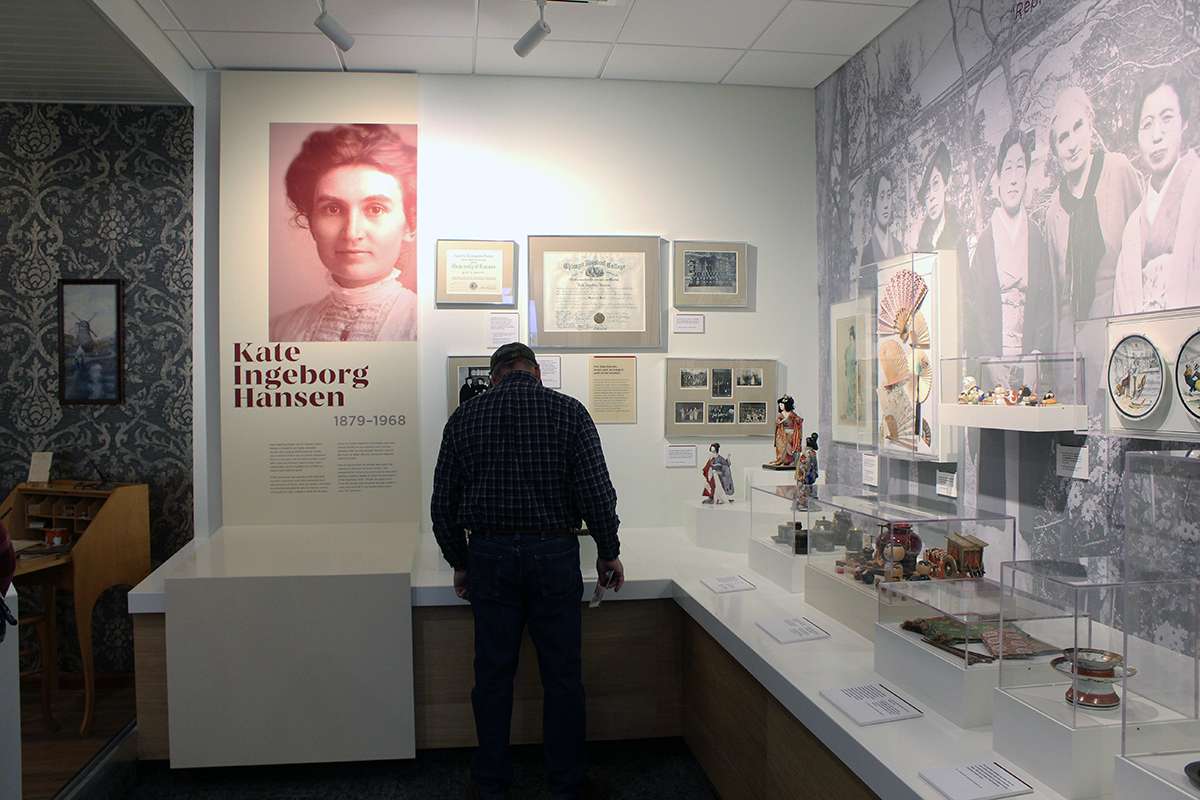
<point>967,553</point>
<point>999,395</point>
<point>1026,397</point>
<point>718,477</point>
<point>969,391</point>
<point>843,523</point>
<point>789,433</point>
<point>807,470</point>
<point>898,543</point>
<point>923,572</point>
<point>1048,399</point>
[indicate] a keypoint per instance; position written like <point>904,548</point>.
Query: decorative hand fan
<point>900,299</point>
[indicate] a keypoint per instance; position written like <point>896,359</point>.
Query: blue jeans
<point>527,579</point>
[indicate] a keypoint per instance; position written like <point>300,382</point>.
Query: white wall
<point>505,158</point>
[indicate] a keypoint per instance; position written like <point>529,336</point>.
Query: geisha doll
<point>718,477</point>
<point>789,433</point>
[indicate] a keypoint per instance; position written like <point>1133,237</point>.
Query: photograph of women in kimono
<point>881,244</point>
<point>940,230</point>
<point>346,272</point>
<point>1160,249</point>
<point>718,477</point>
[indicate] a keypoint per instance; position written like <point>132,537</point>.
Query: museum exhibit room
<point>696,399</point>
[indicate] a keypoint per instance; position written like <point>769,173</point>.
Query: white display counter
<point>1157,777</point>
<point>724,527</point>
<point>779,563</point>
<point>10,707</point>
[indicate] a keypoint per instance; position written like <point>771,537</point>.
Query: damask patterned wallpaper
<point>100,192</point>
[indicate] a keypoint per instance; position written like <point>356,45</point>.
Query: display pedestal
<point>960,694</point>
<point>1157,777</point>
<point>853,604</point>
<point>1032,726</point>
<point>724,527</point>
<point>778,563</point>
<point>1036,419</point>
<point>10,708</point>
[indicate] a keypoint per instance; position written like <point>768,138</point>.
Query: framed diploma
<point>595,292</point>
<point>476,273</point>
<point>712,274</point>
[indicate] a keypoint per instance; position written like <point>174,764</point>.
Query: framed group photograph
<point>595,292</point>
<point>727,398</point>
<point>91,342</point>
<point>711,274</point>
<point>476,273</point>
<point>473,372</point>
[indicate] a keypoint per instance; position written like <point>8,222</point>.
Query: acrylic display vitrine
<point>915,323</point>
<point>1059,714</point>
<point>779,534</point>
<point>1038,392</point>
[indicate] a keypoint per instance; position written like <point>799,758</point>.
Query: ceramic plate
<point>1187,375</point>
<point>1135,377</point>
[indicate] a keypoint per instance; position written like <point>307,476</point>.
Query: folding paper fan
<point>900,299</point>
<point>893,362</point>
<point>918,331</point>
<point>922,377</point>
<point>897,419</point>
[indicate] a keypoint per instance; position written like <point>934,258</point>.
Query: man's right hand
<point>617,579</point>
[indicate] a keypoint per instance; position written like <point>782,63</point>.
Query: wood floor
<point>50,759</point>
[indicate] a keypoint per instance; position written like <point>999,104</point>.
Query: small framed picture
<point>690,378</point>
<point>722,382</point>
<point>752,413</point>
<point>720,414</point>
<point>689,413</point>
<point>749,376</point>
<point>476,273</point>
<point>711,274</point>
<point>91,342</point>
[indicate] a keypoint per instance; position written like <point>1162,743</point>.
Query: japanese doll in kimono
<point>789,433</point>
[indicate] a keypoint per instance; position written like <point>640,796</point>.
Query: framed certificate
<point>476,273</point>
<point>712,274</point>
<point>595,292</point>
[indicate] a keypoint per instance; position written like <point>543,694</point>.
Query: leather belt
<point>544,533</point>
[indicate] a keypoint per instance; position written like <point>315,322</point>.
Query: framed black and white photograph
<point>749,376</point>
<point>693,378</point>
<point>722,382</point>
<point>466,371</point>
<point>91,344</point>
<point>474,272</point>
<point>753,413</point>
<point>721,414</point>
<point>711,274</point>
<point>689,413</point>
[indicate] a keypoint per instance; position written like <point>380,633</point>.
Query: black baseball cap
<point>513,351</point>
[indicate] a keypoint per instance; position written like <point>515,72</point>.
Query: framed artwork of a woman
<point>343,228</point>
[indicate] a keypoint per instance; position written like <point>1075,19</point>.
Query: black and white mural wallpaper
<point>1052,145</point>
<point>99,192</point>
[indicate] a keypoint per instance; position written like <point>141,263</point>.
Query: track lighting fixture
<point>533,37</point>
<point>333,30</point>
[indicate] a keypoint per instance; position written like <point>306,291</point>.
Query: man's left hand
<point>460,583</point>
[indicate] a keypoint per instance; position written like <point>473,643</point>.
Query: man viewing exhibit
<point>520,468</point>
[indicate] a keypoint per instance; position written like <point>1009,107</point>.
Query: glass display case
<point>914,323</point>
<point>779,534</point>
<point>1143,375</point>
<point>1038,392</point>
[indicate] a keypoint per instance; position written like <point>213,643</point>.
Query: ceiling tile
<point>268,50</point>
<point>188,49</point>
<point>700,23</point>
<point>282,16</point>
<point>820,27</point>
<point>554,59</point>
<point>425,54</point>
<point>161,15</point>
<point>406,17</point>
<point>650,62</point>
<point>797,70</point>
<point>576,22</point>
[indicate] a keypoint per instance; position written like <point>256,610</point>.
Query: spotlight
<point>533,37</point>
<point>333,30</point>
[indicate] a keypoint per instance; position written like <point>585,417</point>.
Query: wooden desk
<point>111,533</point>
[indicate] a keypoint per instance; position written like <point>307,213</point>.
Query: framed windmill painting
<point>91,346</point>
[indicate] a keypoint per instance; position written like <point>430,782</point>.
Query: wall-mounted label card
<point>793,629</point>
<point>551,371</point>
<point>870,469</point>
<point>39,467</point>
<point>947,484</point>
<point>688,323</point>
<point>986,780</point>
<point>728,583</point>
<point>1071,462</point>
<point>871,704</point>
<point>681,455</point>
<point>503,327</point>
<point>612,389</point>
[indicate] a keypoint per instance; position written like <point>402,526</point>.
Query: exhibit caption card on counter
<point>728,583</point>
<point>985,780</point>
<point>793,629</point>
<point>871,704</point>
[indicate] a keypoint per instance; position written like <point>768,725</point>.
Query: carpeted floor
<point>660,768</point>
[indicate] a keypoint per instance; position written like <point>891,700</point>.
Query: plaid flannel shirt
<point>521,458</point>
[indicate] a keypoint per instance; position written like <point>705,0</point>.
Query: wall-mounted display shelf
<point>1039,392</point>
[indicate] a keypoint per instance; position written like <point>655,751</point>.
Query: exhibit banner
<point>318,299</point>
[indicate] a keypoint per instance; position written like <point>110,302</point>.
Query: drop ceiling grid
<point>752,42</point>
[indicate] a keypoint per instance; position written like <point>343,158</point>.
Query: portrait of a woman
<point>352,190</point>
